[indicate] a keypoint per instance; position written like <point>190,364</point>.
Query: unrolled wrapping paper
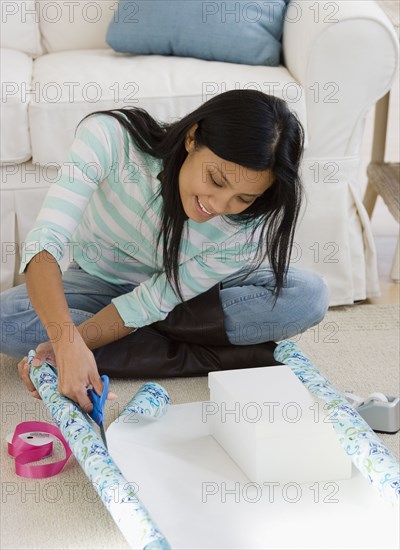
<point>83,438</point>
<point>359,441</point>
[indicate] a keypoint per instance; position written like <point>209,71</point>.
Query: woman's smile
<point>202,209</point>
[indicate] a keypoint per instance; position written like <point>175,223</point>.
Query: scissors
<point>97,414</point>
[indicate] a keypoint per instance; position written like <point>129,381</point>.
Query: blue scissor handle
<point>98,401</point>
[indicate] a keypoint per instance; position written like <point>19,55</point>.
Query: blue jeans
<point>247,307</point>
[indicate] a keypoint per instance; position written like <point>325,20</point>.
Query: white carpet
<point>355,347</point>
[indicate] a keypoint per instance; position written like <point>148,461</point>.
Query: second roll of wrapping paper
<point>359,441</point>
<point>115,491</point>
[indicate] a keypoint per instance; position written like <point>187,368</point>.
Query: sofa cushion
<point>168,87</point>
<point>232,31</point>
<point>19,27</point>
<point>75,25</point>
<point>16,76</point>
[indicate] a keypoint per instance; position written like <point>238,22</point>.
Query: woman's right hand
<point>77,370</point>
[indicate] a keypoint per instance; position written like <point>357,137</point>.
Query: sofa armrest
<point>345,54</point>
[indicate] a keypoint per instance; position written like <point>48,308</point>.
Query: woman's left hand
<point>44,352</point>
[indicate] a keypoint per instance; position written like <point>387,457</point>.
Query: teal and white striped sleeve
<point>153,299</point>
<point>89,160</point>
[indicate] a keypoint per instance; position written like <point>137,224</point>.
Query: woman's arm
<point>71,345</point>
<point>75,362</point>
<point>46,293</point>
<point>104,327</point>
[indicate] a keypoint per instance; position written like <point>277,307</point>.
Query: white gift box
<point>272,426</point>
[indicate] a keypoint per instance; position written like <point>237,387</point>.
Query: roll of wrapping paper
<point>84,440</point>
<point>150,400</point>
<point>359,441</point>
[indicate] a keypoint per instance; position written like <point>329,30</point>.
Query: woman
<point>156,215</point>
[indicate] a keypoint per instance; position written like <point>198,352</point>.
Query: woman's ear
<point>190,140</point>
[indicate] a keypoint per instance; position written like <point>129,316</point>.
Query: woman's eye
<point>245,202</point>
<point>240,198</point>
<point>215,183</point>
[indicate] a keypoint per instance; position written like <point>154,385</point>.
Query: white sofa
<point>339,59</point>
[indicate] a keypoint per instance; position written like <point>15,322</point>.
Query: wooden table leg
<point>395,271</point>
<point>378,148</point>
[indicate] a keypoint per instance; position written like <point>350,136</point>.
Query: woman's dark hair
<point>251,129</point>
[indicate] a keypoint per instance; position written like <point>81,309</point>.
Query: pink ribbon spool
<point>24,453</point>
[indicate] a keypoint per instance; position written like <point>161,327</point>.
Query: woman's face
<point>210,186</point>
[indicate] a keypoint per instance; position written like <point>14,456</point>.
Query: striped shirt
<point>102,211</point>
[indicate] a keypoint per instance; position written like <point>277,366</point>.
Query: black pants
<point>191,341</point>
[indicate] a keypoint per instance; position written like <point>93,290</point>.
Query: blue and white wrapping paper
<point>82,436</point>
<point>150,400</point>
<point>361,444</point>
